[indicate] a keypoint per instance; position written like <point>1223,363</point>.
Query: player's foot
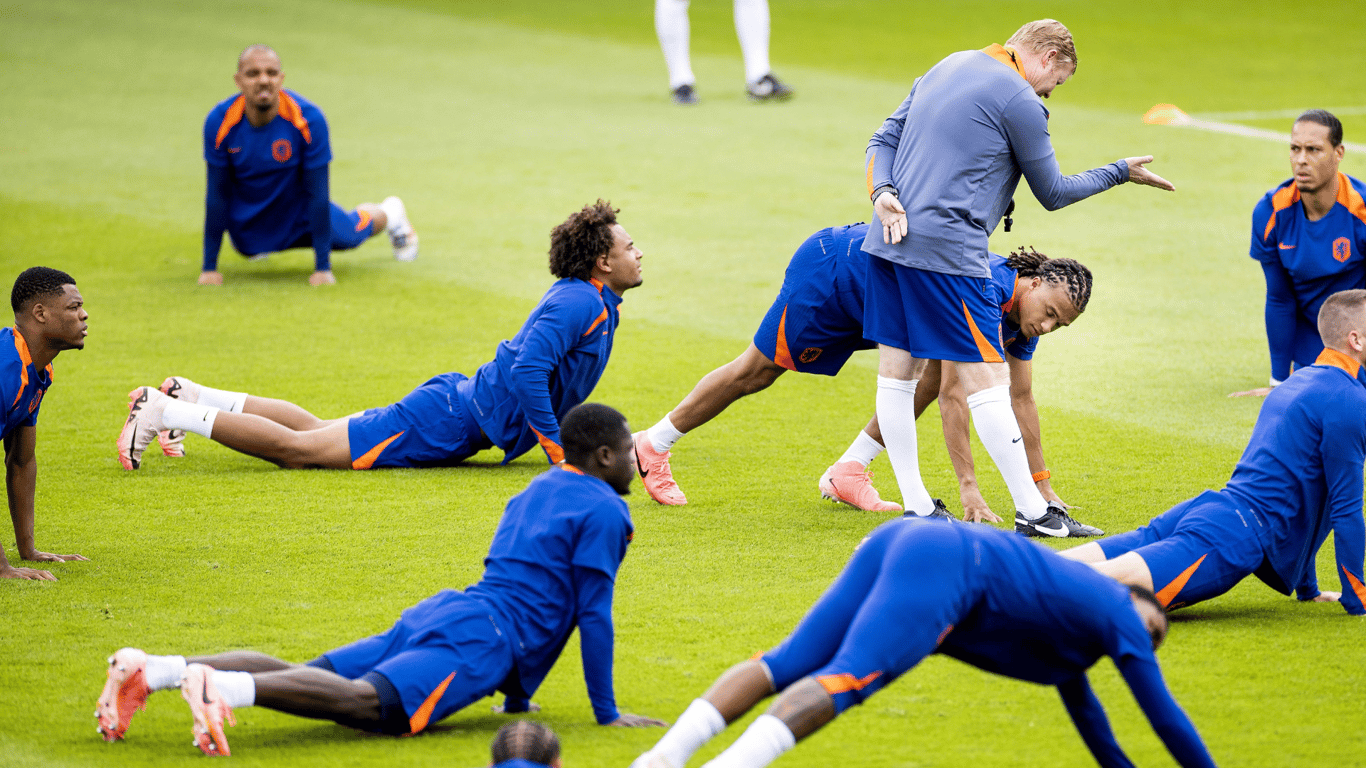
<point>941,512</point>
<point>125,692</point>
<point>768,88</point>
<point>684,94</point>
<point>655,474</point>
<point>849,482</point>
<point>1055,523</point>
<point>401,234</point>
<point>144,422</point>
<point>208,708</point>
<point>173,440</point>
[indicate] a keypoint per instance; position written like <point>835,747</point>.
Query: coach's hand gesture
<point>1140,175</point>
<point>892,216</point>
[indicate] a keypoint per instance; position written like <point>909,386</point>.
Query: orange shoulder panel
<point>1284,198</point>
<point>289,110</point>
<point>25,360</point>
<point>1351,198</point>
<point>1006,55</point>
<point>233,117</point>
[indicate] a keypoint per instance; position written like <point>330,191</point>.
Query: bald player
<point>267,151</point>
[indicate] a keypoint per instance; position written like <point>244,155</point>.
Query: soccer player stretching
<point>513,402</point>
<point>267,151</point>
<point>982,596</point>
<point>1298,479</point>
<point>941,171</point>
<point>550,568</point>
<point>49,316</point>
<point>1309,234</point>
<point>816,323</point>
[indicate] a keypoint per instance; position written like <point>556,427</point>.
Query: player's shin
<point>766,739</point>
<point>699,724</point>
<point>1000,434</point>
<point>191,417</point>
<point>896,415</point>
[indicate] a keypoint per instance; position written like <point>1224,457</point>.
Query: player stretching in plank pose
<point>816,323</point>
<point>955,150</point>
<point>1309,234</point>
<point>267,151</point>
<point>550,568</point>
<point>513,402</point>
<point>49,316</point>
<point>1298,479</point>
<point>982,596</point>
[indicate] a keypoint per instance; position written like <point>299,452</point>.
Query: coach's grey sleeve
<point>1026,127</point>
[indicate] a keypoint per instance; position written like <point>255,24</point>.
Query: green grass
<point>494,121</point>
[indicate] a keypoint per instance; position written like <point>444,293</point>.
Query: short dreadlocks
<point>1066,272</point>
<point>581,239</point>
<point>526,740</point>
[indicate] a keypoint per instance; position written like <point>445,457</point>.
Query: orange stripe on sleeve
<point>552,449</point>
<point>597,322</point>
<point>424,713</point>
<point>368,460</point>
<point>842,683</point>
<point>781,355</point>
<point>1169,592</point>
<point>1357,586</point>
<point>25,360</point>
<point>869,175</point>
<point>233,117</point>
<point>989,354</point>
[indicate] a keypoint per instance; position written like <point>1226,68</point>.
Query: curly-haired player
<point>816,323</point>
<point>514,402</point>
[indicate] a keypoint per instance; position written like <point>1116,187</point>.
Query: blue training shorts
<point>430,427</point>
<point>349,229</point>
<point>442,655</point>
<point>933,316</point>
<point>892,605</point>
<point>815,324</point>
<point>1196,550</point>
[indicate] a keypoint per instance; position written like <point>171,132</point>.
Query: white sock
<point>751,26</point>
<point>896,416</point>
<point>392,211</point>
<point>1000,434</point>
<point>763,741</point>
<point>223,400</point>
<point>664,434</point>
<point>164,672</point>
<point>237,688</point>
<point>671,24</point>
<point>863,450</point>
<point>191,417</point>
<point>699,724</point>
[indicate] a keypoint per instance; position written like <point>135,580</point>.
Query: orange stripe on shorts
<point>368,460</point>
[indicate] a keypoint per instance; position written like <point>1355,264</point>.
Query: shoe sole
<point>208,736</point>
<point>129,433</point>
<point>124,693</point>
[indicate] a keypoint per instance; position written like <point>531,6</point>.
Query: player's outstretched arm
<point>596,644</point>
<point>1344,450</point>
<point>1166,716</point>
<point>218,188</point>
<point>1089,717</point>
<point>320,222</point>
<point>1027,415</point>
<point>1140,175</point>
<point>21,481</point>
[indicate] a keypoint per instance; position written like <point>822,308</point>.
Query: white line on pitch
<point>1170,114</point>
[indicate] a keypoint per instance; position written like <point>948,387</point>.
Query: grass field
<point>495,120</point>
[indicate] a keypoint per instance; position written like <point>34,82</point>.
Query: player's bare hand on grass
<point>322,278</point>
<point>48,557</point>
<point>1258,392</point>
<point>637,721</point>
<point>1327,597</point>
<point>975,509</point>
<point>499,709</point>
<point>210,278</point>
<point>34,574</point>
<point>1140,175</point>
<point>892,216</point>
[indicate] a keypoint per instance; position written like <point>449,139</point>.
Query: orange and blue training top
<point>1305,262</point>
<point>264,174</point>
<point>22,384</point>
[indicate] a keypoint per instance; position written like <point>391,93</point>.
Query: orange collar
<point>1338,360</point>
<point>21,347</point>
<point>1006,55</point>
<point>289,110</point>
<point>571,468</point>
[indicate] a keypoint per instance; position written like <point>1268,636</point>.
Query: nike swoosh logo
<point>1061,530</point>
<point>1018,439</point>
<point>643,472</point>
<point>1285,247</point>
<point>234,150</point>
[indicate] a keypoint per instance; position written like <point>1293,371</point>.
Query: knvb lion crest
<point>281,150</point>
<point>1342,249</point>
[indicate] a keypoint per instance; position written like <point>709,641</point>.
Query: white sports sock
<point>751,26</point>
<point>191,417</point>
<point>896,416</point>
<point>699,724</point>
<point>664,434</point>
<point>237,688</point>
<point>671,24</point>
<point>223,400</point>
<point>164,672</point>
<point>764,741</point>
<point>392,211</point>
<point>863,450</point>
<point>1000,434</point>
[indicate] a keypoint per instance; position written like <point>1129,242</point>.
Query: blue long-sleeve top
<point>1301,473</point>
<point>550,366</point>
<point>955,150</point>
<point>551,567</point>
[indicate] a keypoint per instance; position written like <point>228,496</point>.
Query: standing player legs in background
<point>751,27</point>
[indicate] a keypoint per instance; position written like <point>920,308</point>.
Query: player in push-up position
<point>551,568</point>
<point>816,323</point>
<point>267,151</point>
<point>1298,479</point>
<point>913,588</point>
<point>513,402</point>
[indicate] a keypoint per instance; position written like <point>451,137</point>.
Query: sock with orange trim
<point>896,415</point>
<point>238,689</point>
<point>191,417</point>
<point>1000,434</point>
<point>764,741</point>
